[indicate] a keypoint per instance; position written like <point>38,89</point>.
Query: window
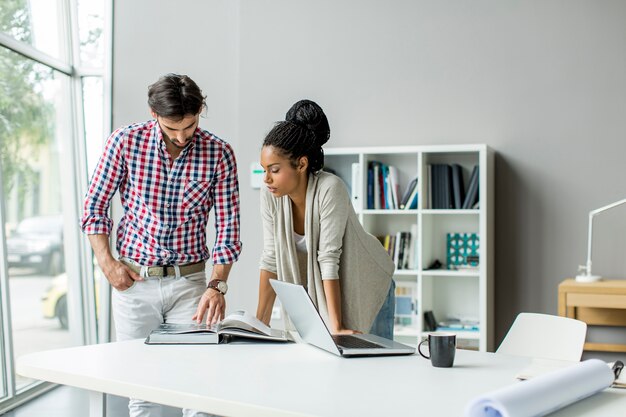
<point>43,129</point>
<point>38,23</point>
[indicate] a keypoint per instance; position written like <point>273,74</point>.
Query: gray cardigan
<point>337,247</point>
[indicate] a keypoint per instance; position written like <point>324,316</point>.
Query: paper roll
<point>544,394</point>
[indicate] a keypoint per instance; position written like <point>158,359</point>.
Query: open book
<point>236,325</point>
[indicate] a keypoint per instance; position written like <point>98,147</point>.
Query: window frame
<point>86,329</point>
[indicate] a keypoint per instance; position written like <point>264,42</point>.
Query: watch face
<point>222,287</point>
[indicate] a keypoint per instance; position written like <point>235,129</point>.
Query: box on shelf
<point>462,250</point>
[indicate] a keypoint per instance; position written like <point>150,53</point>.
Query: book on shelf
<point>370,186</point>
<point>412,256</point>
<point>356,186</point>
<point>406,304</point>
<point>454,324</point>
<point>401,247</point>
<point>440,188</point>
<point>392,179</point>
<point>462,251</point>
<point>429,186</point>
<point>376,185</point>
<point>471,197</point>
<point>457,328</point>
<point>430,323</point>
<point>403,250</point>
<point>458,190</point>
<point>411,203</point>
<point>376,168</point>
<point>388,242</point>
<point>382,174</point>
<point>446,188</point>
<point>237,325</point>
<point>408,192</point>
<point>382,186</point>
<point>404,301</point>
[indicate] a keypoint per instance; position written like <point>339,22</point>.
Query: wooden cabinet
<point>601,303</point>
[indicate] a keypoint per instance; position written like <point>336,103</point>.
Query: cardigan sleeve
<point>334,205</point>
<point>268,257</point>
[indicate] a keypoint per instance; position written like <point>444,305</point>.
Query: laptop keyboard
<point>347,341</point>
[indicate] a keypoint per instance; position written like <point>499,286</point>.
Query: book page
<point>175,328</point>
<point>243,320</point>
<point>544,394</point>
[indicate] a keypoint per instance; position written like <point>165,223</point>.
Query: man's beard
<point>187,143</point>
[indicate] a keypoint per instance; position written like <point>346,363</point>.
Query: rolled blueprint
<point>544,394</point>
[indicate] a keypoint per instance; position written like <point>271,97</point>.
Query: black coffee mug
<point>441,347</point>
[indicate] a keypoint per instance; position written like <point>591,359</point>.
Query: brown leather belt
<point>167,270</point>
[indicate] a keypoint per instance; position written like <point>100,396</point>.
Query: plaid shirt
<point>166,205</point>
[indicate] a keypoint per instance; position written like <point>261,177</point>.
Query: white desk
<point>288,380</point>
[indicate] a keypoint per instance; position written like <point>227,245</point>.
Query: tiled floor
<point>73,402</point>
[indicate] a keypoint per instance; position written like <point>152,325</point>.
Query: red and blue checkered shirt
<point>166,205</point>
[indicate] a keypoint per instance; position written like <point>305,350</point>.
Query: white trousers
<point>144,306</point>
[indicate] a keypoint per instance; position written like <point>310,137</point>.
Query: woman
<point>312,235</point>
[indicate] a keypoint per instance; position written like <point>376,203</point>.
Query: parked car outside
<point>37,242</point>
<point>54,300</point>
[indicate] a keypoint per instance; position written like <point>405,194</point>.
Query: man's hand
<point>120,276</point>
<point>213,303</point>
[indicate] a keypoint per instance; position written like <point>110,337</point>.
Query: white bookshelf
<point>463,293</point>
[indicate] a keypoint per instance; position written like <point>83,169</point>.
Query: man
<point>170,173</point>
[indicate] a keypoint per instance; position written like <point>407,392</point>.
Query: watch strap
<point>214,284</point>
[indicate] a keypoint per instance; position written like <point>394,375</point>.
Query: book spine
<point>370,186</point>
<point>472,190</point>
<point>356,186</point>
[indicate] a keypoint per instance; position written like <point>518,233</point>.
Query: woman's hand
<point>345,331</point>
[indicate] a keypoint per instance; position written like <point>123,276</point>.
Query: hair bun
<point>309,114</point>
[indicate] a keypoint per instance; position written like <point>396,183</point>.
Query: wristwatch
<point>218,285</point>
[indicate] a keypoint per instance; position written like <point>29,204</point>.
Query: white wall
<point>197,38</point>
<point>542,82</point>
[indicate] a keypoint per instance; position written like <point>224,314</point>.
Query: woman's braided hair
<point>303,133</point>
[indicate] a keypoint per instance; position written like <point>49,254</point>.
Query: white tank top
<point>300,242</point>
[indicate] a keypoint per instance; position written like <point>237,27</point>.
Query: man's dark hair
<point>175,96</point>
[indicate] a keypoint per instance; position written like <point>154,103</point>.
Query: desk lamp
<point>585,270</point>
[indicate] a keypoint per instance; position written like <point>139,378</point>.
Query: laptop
<point>312,329</point>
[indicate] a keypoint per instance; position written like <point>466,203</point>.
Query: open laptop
<point>312,329</point>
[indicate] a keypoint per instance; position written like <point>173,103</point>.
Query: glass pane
<point>3,375</point>
<point>35,100</point>
<point>36,22</point>
<point>93,104</point>
<point>93,107</point>
<point>90,27</point>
